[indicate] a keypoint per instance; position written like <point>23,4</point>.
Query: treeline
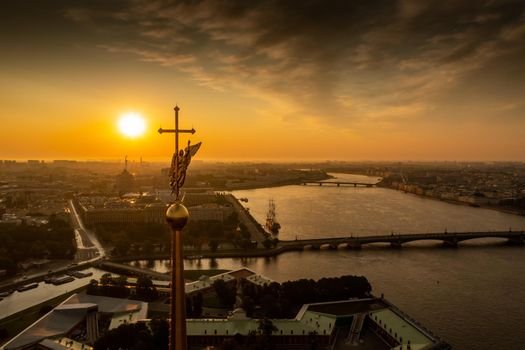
<point>155,335</point>
<point>129,238</point>
<point>119,287</point>
<point>211,234</point>
<point>513,203</point>
<point>54,240</point>
<point>136,336</point>
<point>146,238</point>
<point>276,300</point>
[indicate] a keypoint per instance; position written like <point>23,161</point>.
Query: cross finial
<point>179,162</point>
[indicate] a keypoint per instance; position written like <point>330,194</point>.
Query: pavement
<point>257,233</point>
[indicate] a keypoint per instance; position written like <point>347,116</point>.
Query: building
<point>210,212</point>
<point>125,180</point>
<point>370,322</point>
<point>367,323</point>
<point>97,210</point>
<point>134,208</point>
<point>76,323</point>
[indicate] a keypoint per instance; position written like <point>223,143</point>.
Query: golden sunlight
<point>132,124</point>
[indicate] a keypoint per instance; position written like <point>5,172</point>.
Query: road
<point>256,231</point>
<point>89,248</point>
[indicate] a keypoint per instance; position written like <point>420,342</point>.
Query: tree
<point>92,288</point>
<point>159,330</point>
<point>214,245</point>
<point>198,300</point>
<point>133,336</point>
<point>225,293</point>
<point>270,306</point>
<point>120,281</point>
<point>266,326</point>
<point>248,305</point>
<point>189,306</point>
<point>233,218</point>
<point>145,289</point>
<point>105,279</point>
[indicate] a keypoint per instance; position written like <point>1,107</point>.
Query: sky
<point>264,80</point>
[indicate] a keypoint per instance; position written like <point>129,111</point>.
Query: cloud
<point>346,61</point>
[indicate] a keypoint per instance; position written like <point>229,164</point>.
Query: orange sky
<point>414,81</point>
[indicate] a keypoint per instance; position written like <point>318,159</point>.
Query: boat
<point>80,274</point>
<point>6,293</point>
<point>271,223</point>
<point>27,287</point>
<point>62,280</point>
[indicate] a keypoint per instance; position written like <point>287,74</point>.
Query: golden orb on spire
<point>177,216</point>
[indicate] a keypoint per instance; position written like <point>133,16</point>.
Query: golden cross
<point>176,131</point>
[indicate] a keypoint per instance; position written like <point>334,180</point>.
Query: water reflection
<point>315,212</point>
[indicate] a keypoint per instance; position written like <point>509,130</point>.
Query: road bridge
<point>397,240</point>
<point>392,240</point>
<point>338,184</point>
<point>134,271</point>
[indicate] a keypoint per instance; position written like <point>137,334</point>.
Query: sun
<point>132,124</point>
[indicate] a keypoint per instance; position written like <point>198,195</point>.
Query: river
<point>472,296</point>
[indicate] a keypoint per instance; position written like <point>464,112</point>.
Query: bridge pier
<point>395,244</point>
<point>353,245</point>
<point>452,242</point>
<point>517,240</point>
<point>338,184</point>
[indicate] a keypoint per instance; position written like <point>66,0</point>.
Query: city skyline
<point>272,80</point>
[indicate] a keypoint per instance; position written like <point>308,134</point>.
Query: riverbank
<point>352,243</point>
<point>456,202</point>
<point>287,182</point>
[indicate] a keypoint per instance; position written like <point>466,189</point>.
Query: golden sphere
<point>177,216</point>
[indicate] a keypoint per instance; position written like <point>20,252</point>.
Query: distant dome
<point>125,182</point>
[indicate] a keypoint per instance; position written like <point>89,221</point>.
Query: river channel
<point>472,296</point>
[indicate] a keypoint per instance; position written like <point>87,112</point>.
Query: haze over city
<point>277,80</point>
<point>262,174</point>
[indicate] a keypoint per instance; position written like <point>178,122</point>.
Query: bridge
<point>131,270</point>
<point>392,240</point>
<point>337,183</point>
<point>395,240</point>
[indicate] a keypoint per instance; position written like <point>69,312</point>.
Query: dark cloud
<point>357,60</point>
